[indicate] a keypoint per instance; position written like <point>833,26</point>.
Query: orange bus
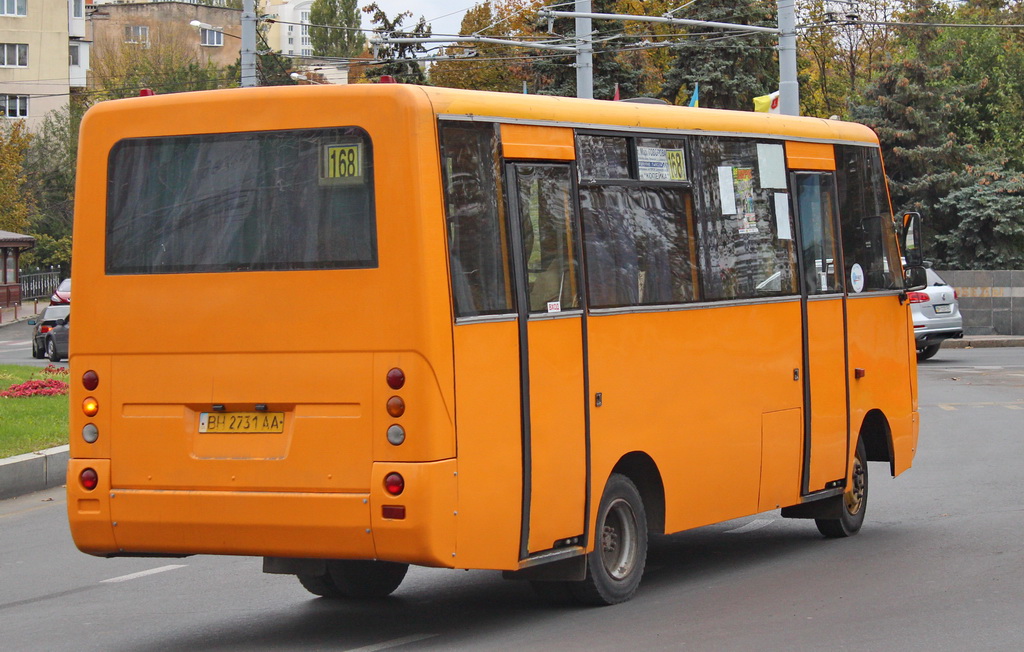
<point>382,325</point>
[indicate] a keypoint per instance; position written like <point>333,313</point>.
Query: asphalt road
<point>16,346</point>
<point>939,565</point>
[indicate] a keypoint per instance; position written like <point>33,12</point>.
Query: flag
<point>767,103</point>
<point>694,101</point>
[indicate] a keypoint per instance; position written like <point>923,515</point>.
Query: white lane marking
<point>151,571</point>
<point>947,407</point>
<point>756,524</point>
<point>395,642</point>
<point>1014,407</point>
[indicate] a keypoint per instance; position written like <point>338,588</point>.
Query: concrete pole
<point>789,87</point>
<point>249,43</point>
<point>585,53</point>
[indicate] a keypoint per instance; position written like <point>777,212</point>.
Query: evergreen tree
<point>346,40</point>
<point>399,58</point>
<point>732,69</point>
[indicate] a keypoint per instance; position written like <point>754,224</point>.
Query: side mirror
<point>914,278</point>
<point>911,243</point>
<point>31,322</point>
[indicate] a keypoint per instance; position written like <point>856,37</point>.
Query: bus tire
<point>854,502</point>
<point>356,578</point>
<point>616,565</point>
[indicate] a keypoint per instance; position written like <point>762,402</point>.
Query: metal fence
<point>39,285</point>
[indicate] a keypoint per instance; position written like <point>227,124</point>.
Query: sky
<point>444,16</point>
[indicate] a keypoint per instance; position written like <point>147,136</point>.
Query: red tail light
<point>89,479</point>
<point>45,329</point>
<point>90,380</point>
<point>918,297</point>
<point>394,484</point>
<point>396,378</point>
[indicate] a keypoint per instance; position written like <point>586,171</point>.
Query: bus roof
<point>514,107</point>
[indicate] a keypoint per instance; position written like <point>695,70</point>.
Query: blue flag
<point>696,91</point>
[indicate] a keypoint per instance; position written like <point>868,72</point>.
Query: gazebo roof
<point>18,240</point>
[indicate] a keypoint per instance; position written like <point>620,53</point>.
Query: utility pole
<point>249,43</point>
<point>585,53</point>
<point>789,87</point>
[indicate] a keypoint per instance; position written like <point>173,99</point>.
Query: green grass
<point>33,423</point>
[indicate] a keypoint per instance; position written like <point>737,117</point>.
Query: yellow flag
<point>767,103</point>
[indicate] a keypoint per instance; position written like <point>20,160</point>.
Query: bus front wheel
<point>854,503</point>
<point>346,578</point>
<point>616,565</point>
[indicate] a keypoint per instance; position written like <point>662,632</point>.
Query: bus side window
<point>747,249</point>
<point>869,238</point>
<point>476,231</point>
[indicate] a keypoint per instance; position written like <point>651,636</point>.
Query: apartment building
<point>36,59</point>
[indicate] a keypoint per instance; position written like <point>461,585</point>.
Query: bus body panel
<point>313,344</point>
<point>489,423</point>
<point>883,347</point>
<point>701,419</point>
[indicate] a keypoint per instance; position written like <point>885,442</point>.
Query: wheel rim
<point>855,496</point>
<point>619,540</point>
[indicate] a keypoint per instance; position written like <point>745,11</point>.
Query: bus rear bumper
<point>111,521</point>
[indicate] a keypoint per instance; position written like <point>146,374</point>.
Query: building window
<point>14,106</point>
<point>304,19</point>
<point>12,7</point>
<point>13,55</point>
<point>136,34</point>
<point>73,54</point>
<point>211,37</point>
<point>78,8</point>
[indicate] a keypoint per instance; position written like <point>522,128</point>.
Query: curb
<point>982,342</point>
<point>24,474</point>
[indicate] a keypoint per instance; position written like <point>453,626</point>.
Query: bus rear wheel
<point>348,578</point>
<point>854,503</point>
<point>616,565</point>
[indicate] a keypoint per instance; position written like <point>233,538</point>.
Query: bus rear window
<point>276,200</point>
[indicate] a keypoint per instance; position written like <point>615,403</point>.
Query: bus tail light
<point>394,512</point>
<point>918,297</point>
<point>396,435</point>
<point>90,407</point>
<point>396,378</point>
<point>394,484</point>
<point>90,380</point>
<point>396,406</point>
<point>89,479</point>
<point>90,433</point>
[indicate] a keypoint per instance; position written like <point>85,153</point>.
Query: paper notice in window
<point>782,216</point>
<point>726,192</point>
<point>771,166</point>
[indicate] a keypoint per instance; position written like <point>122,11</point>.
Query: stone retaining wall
<point>991,302</point>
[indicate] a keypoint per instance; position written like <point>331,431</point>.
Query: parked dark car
<point>43,325</point>
<point>62,295</point>
<point>57,340</point>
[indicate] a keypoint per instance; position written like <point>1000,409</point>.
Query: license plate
<point>944,308</point>
<point>242,422</point>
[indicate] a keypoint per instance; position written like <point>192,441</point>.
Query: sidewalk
<point>25,311</point>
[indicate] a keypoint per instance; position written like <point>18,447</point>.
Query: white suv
<point>936,314</point>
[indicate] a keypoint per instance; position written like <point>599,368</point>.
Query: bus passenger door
<point>826,422</point>
<point>552,354</point>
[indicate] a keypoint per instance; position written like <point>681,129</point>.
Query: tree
<point>15,204</point>
<point>399,58</point>
<point>480,66</point>
<point>732,69</point>
<point>988,226</point>
<point>169,63</point>
<point>346,39</point>
<point>556,75</point>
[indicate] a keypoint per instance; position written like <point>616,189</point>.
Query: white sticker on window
<point>857,278</point>
<point>554,306</point>
<point>782,216</point>
<point>726,191</point>
<point>771,166</point>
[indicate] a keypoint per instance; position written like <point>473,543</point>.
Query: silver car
<point>936,314</point>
